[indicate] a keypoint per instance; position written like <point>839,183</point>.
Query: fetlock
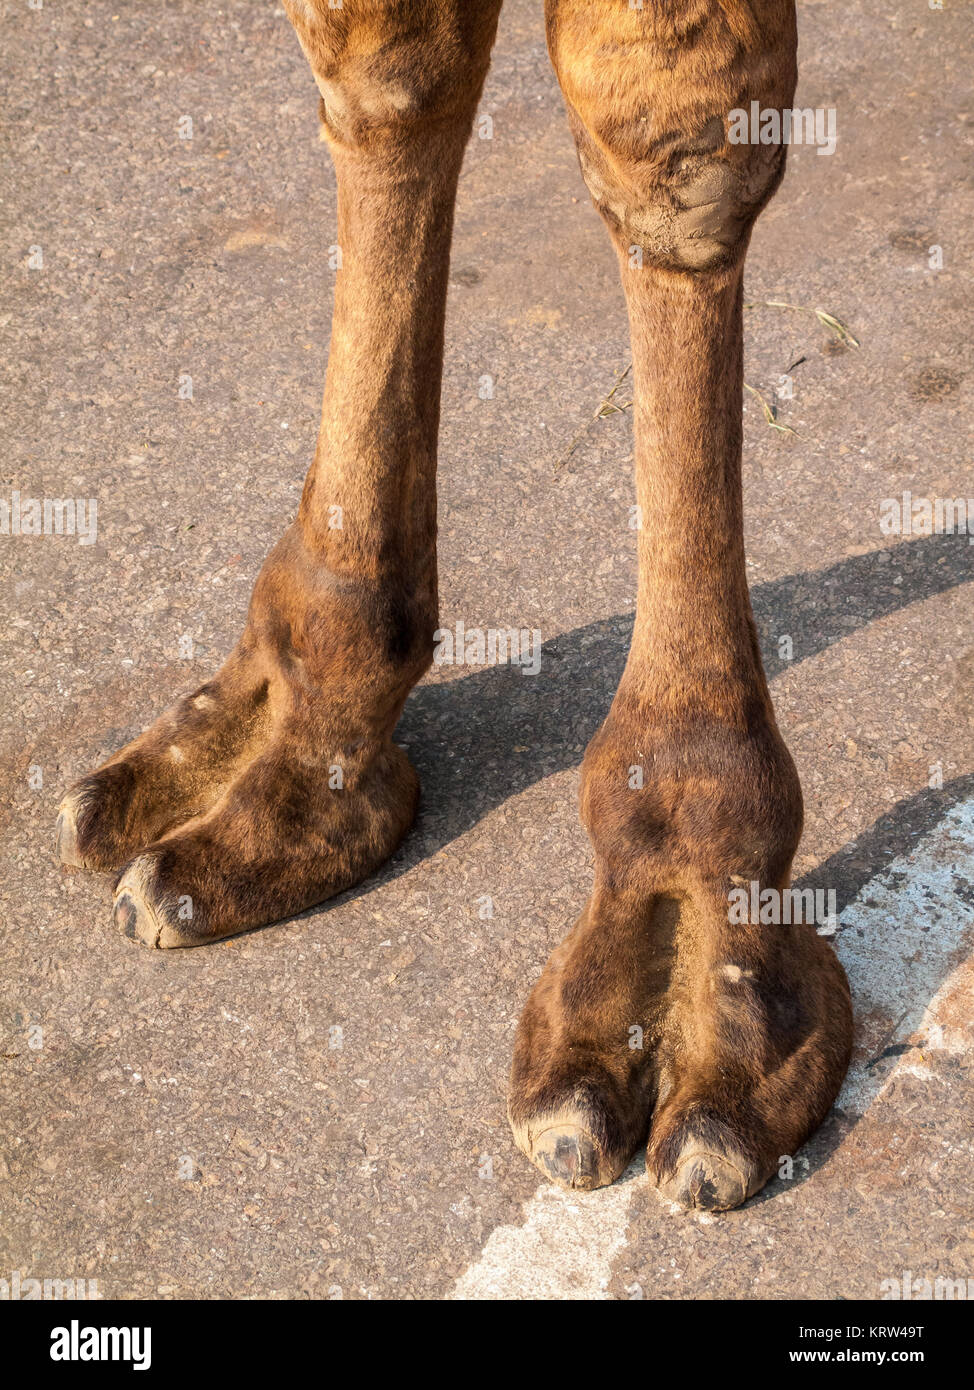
<point>669,806</point>
<point>339,649</point>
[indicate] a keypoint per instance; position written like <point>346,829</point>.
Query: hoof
<point>66,838</point>
<point>706,1182</point>
<point>569,1156</point>
<point>87,833</point>
<point>138,916</point>
<point>563,1147</point>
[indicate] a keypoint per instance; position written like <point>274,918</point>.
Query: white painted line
<point>563,1249</point>
<point>902,942</point>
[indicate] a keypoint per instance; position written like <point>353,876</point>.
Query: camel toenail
<point>126,916</point>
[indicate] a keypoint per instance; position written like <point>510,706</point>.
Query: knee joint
<point>382,73</point>
<point>649,92</point>
<point>692,209</point>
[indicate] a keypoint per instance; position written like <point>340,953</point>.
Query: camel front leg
<point>277,783</point>
<point>660,1013</point>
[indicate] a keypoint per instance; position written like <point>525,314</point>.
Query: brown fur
<point>227,802</point>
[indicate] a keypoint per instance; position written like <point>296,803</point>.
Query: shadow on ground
<point>489,736</point>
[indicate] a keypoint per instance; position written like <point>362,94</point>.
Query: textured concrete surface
<point>192,1124</point>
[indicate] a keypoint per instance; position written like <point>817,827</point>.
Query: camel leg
<point>277,784</point>
<point>659,1013</point>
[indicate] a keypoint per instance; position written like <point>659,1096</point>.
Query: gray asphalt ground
<point>192,1124</point>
